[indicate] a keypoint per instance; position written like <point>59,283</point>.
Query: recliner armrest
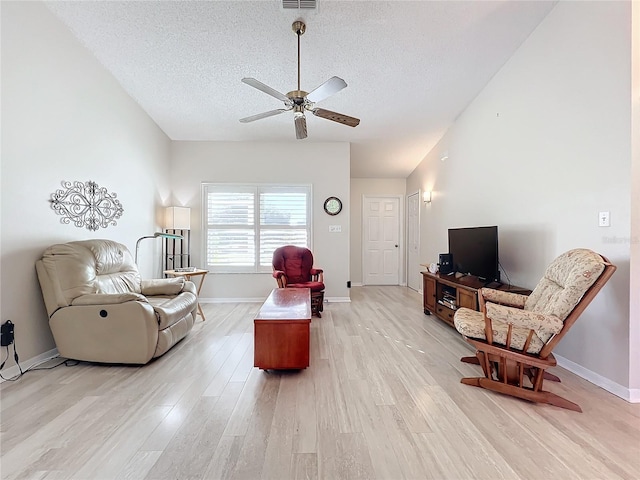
<point>190,287</point>
<point>175,308</point>
<point>107,298</point>
<point>162,286</point>
<point>543,325</point>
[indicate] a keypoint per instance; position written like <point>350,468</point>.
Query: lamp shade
<point>178,218</point>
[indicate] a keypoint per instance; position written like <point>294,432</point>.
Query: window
<point>246,223</point>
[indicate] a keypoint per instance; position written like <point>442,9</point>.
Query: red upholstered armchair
<point>293,268</point>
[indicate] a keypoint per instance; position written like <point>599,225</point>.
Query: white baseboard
<point>261,300</point>
<point>630,395</point>
<point>232,300</point>
<point>337,300</point>
<point>354,284</point>
<point>25,365</point>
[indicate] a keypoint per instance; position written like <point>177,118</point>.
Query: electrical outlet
<point>6,333</point>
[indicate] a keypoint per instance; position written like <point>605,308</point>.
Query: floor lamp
<point>178,222</point>
<point>156,235</point>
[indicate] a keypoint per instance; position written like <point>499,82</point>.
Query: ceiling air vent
<point>299,3</point>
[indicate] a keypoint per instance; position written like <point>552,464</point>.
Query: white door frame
<point>419,193</point>
<point>401,241</point>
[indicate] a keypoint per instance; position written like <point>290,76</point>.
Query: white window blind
<point>246,223</point>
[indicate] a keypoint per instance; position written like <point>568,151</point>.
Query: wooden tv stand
<point>443,294</point>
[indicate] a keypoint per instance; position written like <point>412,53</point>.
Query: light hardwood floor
<point>381,400</point>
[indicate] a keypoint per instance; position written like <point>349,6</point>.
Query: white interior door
<point>381,241</point>
<point>414,278</point>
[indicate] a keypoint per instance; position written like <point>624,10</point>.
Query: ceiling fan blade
<point>259,116</point>
<point>301,126</point>
<point>252,82</point>
<point>336,117</point>
<point>328,88</point>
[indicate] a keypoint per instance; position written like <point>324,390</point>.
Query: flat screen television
<point>475,252</point>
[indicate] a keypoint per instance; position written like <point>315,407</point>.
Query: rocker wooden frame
<point>505,368</point>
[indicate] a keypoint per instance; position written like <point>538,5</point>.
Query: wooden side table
<point>187,275</point>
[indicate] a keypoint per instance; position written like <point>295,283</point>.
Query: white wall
<point>325,166</point>
<point>64,118</point>
<point>634,333</point>
<point>368,186</point>
<point>543,148</point>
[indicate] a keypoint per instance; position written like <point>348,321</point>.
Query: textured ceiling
<point>411,66</point>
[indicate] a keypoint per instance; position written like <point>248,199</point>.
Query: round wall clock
<point>333,205</point>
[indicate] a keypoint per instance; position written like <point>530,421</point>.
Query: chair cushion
<point>545,326</point>
<point>470,323</point>
<point>502,297</point>
<point>108,298</point>
<point>295,262</point>
<point>314,286</point>
<point>565,282</point>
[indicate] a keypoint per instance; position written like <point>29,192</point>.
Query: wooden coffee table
<point>281,330</point>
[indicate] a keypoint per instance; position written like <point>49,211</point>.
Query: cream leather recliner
<point>100,310</point>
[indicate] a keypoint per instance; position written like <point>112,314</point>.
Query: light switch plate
<point>603,219</point>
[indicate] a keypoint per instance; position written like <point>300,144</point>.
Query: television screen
<point>475,251</point>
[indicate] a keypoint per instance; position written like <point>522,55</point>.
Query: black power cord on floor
<point>15,357</point>
<point>66,362</point>
<point>8,338</point>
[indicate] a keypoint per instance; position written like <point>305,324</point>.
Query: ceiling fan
<point>298,100</point>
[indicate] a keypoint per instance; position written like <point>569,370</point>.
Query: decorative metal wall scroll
<point>86,205</point>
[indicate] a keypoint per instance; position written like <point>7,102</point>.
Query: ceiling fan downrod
<point>299,28</point>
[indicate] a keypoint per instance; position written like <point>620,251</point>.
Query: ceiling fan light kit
<point>300,101</point>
